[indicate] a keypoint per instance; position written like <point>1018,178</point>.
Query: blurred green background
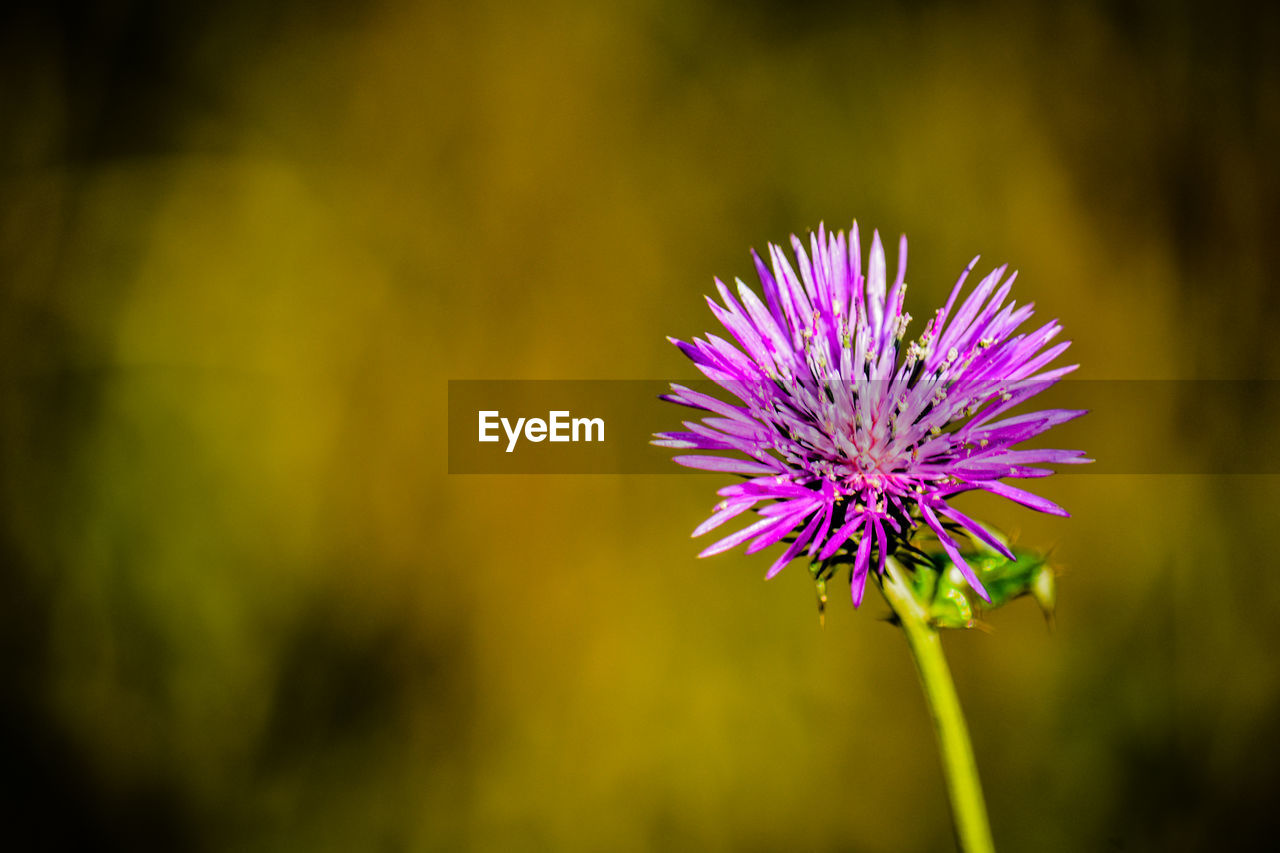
<point>243,246</point>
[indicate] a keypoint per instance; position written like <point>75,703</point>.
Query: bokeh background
<point>243,247</point>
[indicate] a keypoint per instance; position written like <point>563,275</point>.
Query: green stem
<point>968,810</point>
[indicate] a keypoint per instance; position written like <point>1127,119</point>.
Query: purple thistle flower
<point>852,439</point>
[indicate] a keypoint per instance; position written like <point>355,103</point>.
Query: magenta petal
<point>858,579</point>
<point>735,539</point>
<point>786,524</point>
<point>726,464</point>
<point>976,530</point>
<point>882,543</point>
<point>1025,498</point>
<point>839,537</point>
<point>731,510</point>
<point>949,545</point>
<point>794,548</point>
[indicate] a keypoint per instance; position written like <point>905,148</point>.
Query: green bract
<point>947,599</point>
<point>951,603</point>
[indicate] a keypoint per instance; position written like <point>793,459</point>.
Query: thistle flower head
<point>850,438</point>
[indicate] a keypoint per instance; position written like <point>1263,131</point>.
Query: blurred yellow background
<point>242,251</point>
